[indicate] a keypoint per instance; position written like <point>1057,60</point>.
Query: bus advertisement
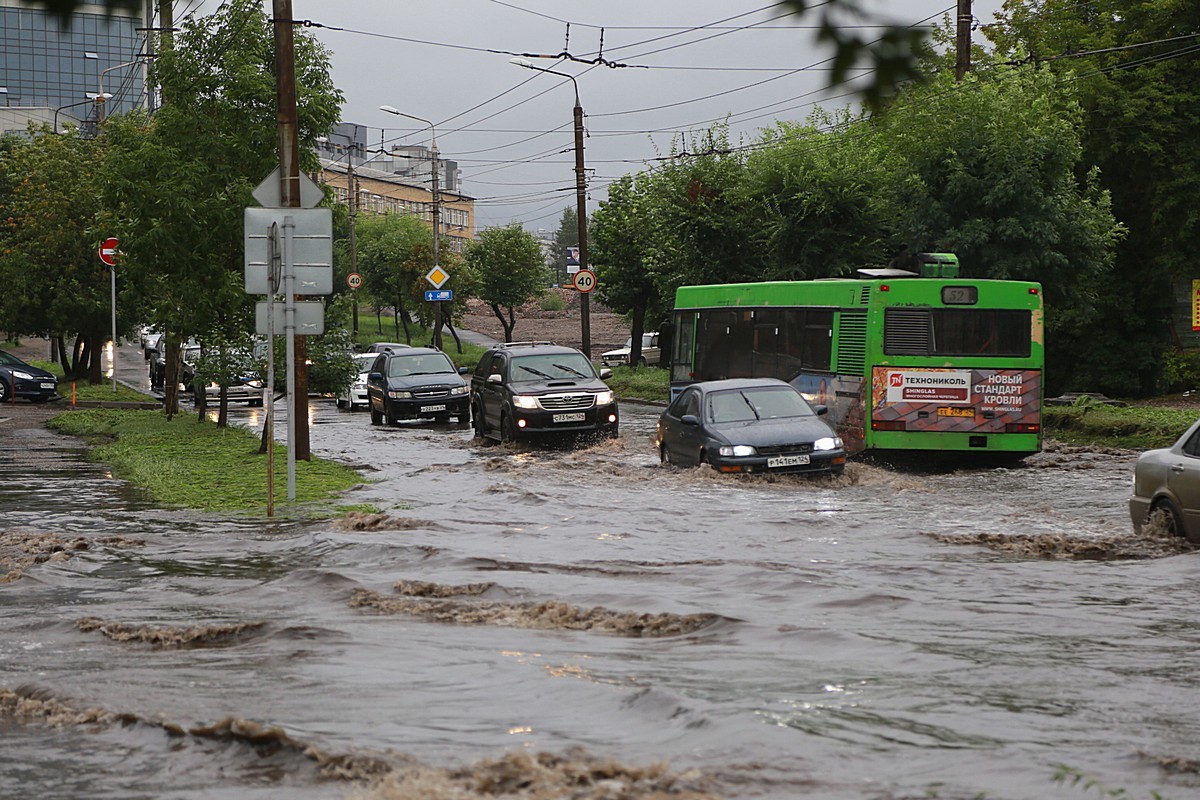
<point>903,362</point>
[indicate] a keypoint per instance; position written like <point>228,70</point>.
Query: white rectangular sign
<point>310,318</point>
<point>312,248</point>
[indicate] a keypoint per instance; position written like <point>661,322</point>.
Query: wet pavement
<point>587,623</point>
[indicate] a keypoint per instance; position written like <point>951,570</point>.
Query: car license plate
<point>787,461</point>
<point>951,411</point>
<point>48,385</point>
<point>577,417</point>
<point>431,409</point>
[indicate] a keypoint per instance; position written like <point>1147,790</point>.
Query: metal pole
<point>581,211</point>
<point>437,229</point>
<point>289,329</point>
<point>113,271</point>
<point>269,401</point>
<point>353,217</point>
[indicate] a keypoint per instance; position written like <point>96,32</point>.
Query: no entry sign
<point>108,251</point>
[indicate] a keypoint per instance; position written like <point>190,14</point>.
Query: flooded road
<point>586,623</point>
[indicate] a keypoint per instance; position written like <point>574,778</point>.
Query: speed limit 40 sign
<point>585,280</point>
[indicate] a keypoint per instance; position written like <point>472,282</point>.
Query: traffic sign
<point>354,280</point>
<point>437,276</point>
<point>108,251</point>
<point>312,249</point>
<point>310,318</point>
<point>439,295</point>
<point>270,195</point>
<point>585,280</point>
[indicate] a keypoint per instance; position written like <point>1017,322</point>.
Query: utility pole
<point>353,184</point>
<point>437,234</point>
<point>962,46</point>
<point>289,194</point>
<point>585,319</point>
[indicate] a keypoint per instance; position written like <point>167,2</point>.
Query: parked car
<point>748,425</point>
<point>1166,487</point>
<point>356,394</point>
<point>521,389</point>
<point>149,338</point>
<point>414,383</point>
<point>620,356</point>
<point>19,379</point>
<point>188,355</point>
<point>387,347</point>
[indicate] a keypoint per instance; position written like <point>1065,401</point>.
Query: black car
<point>748,425</point>
<point>18,379</point>
<point>415,383</point>
<point>520,389</point>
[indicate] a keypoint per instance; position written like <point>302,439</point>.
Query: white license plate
<point>48,385</point>
<point>577,417</point>
<point>431,409</point>
<point>786,461</point>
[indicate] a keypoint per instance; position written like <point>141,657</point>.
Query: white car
<point>620,357</point>
<point>356,395</point>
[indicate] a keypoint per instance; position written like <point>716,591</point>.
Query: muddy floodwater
<point>585,623</point>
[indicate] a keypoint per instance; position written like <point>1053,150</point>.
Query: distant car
<point>416,383</point>
<point>520,389</point>
<point>748,425</point>
<point>386,347</point>
<point>188,355</point>
<point>356,394</point>
<point>1166,487</point>
<point>18,379</point>
<point>620,357</point>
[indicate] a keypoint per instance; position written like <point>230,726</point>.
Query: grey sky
<point>510,128</point>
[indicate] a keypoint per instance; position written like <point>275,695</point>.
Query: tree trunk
<point>96,362</point>
<point>508,323</point>
<point>62,356</point>
<point>171,379</point>
<point>454,333</point>
<point>78,354</point>
<point>223,408</point>
<point>402,315</point>
<point>635,335</point>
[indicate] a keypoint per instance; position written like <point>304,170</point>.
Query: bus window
<point>818,339</point>
<point>723,344</point>
<point>985,332</point>
<point>681,357</point>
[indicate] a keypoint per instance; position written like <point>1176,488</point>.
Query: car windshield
<point>749,405</point>
<point>427,364</point>
<point>365,364</point>
<point>551,366</point>
<point>11,360</point>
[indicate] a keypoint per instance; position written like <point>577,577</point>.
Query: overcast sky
<point>510,128</point>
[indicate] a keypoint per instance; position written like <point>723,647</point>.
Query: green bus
<point>904,361</point>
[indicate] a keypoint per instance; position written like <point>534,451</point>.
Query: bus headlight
<point>524,401</point>
<point>828,443</point>
<point>738,450</point>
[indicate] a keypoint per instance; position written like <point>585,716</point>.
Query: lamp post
<point>68,105</point>
<point>437,215</point>
<point>102,97</point>
<point>352,190</point>
<point>580,199</point>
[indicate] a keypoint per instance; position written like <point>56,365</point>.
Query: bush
<point>1181,370</point>
<point>552,301</point>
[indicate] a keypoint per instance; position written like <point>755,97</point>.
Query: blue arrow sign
<point>440,294</point>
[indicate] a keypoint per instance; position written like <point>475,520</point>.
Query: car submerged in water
<point>19,379</point>
<point>749,425</point>
<point>1166,488</point>
<point>417,383</point>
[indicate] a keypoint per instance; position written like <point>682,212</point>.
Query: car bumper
<point>423,409</point>
<point>37,390</point>
<point>358,397</point>
<point>833,461</point>
<point>1139,508</point>
<point>538,421</point>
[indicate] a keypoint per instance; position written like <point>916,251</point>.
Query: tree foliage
<point>508,265</point>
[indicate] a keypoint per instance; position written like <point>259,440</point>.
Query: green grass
<point>1135,427</point>
<point>421,337</point>
<point>195,464</point>
<point>88,392</point>
<point>643,383</point>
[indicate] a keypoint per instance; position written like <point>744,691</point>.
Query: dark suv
<point>417,382</point>
<point>524,388</point>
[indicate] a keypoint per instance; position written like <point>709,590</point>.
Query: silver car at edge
<point>1166,487</point>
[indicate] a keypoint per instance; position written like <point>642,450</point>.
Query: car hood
<point>774,431</point>
<point>399,382</point>
<point>36,372</point>
<point>557,386</point>
<point>622,351</point>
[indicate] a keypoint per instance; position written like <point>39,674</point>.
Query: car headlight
<point>524,401</point>
<point>255,384</point>
<point>604,398</point>
<point>457,390</point>
<point>828,443</point>
<point>738,450</point>
<point>400,395</point>
<point>25,376</point>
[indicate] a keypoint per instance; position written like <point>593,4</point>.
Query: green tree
<point>176,185</point>
<point>567,236</point>
<point>510,270</point>
<point>395,251</point>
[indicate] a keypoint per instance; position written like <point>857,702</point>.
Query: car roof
<point>416,351</point>
<point>740,383</point>
<point>525,348</point>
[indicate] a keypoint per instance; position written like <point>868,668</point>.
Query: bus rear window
<point>1003,333</point>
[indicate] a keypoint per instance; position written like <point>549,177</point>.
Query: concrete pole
<point>581,210</point>
<point>962,46</point>
<point>437,234</point>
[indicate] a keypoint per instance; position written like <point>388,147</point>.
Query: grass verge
<point>195,464</point>
<point>1129,427</point>
<point>644,383</point>
<point>89,392</point>
<point>423,337</point>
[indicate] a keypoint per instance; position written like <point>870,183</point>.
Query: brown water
<point>585,623</point>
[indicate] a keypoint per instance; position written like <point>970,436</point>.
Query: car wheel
<point>342,404</point>
<point>376,417</point>
<point>642,361</point>
<point>477,422</point>
<point>508,431</point>
<point>664,455</point>
<point>1165,516</point>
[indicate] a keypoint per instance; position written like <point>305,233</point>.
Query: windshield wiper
<point>438,372</point>
<point>575,372</point>
<point>537,372</point>
<point>753,410</point>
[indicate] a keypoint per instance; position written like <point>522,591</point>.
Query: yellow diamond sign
<point>437,276</point>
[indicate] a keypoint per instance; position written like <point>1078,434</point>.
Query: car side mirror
<point>690,419</point>
<point>463,370</point>
<point>605,373</point>
<point>821,410</point>
<point>375,376</point>
<point>495,378</point>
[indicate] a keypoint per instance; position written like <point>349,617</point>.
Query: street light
<point>580,198</point>
<point>352,188</point>
<point>68,105</point>
<point>102,97</point>
<point>437,215</point>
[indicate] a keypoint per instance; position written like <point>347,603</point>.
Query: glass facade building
<point>47,65</point>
